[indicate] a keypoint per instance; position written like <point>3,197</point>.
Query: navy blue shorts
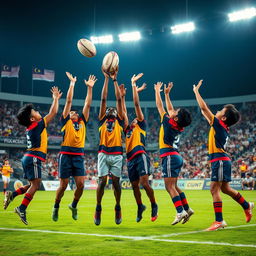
<point>171,166</point>
<point>32,167</point>
<point>71,165</point>
<point>138,166</point>
<point>221,171</point>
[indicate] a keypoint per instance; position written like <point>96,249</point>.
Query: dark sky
<point>45,33</point>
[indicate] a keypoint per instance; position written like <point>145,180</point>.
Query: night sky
<point>45,33</point>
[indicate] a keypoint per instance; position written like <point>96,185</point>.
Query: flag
<point>9,71</point>
<point>43,74</point>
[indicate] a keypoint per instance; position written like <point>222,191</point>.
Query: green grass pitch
<point>128,238</point>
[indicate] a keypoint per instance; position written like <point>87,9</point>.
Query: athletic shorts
<point>6,179</point>
<point>221,171</point>
<point>171,166</point>
<point>71,165</point>
<point>32,167</point>
<point>109,164</point>
<point>242,175</point>
<point>138,166</point>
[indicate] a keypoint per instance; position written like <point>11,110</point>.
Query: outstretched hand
<point>113,75</point>
<point>168,88</point>
<point>158,86</point>
<point>143,87</point>
<point>71,78</point>
<point>122,90</point>
<point>91,81</point>
<point>56,93</point>
<point>196,87</point>
<point>135,78</point>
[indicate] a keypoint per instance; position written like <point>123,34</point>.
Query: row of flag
<point>37,73</point>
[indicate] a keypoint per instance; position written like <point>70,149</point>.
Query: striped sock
<point>184,201</point>
<point>25,202</point>
<point>218,211</point>
<point>19,191</point>
<point>178,204</point>
<point>239,198</point>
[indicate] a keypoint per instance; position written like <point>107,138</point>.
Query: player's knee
<point>80,185</point>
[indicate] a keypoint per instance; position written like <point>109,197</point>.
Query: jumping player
<point>36,151</point>
<point>6,171</point>
<point>138,162</point>
<point>172,124</point>
<point>71,160</point>
<point>219,158</point>
<point>110,159</point>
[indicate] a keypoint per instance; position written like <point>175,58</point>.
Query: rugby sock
<point>178,204</point>
<point>25,202</point>
<point>17,192</point>
<point>218,211</point>
<point>74,203</point>
<point>57,203</point>
<point>139,202</point>
<point>239,198</point>
<point>184,201</point>
<point>98,208</point>
<point>4,190</point>
<point>118,207</point>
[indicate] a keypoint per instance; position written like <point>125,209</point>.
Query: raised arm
<point>118,95</point>
<point>135,94</point>
<point>56,94</point>
<point>203,106</point>
<point>70,94</point>
<point>159,102</point>
<point>168,102</point>
<point>88,100</point>
<point>125,115</point>
<point>104,95</point>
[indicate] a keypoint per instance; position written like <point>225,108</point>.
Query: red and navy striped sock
<point>218,211</point>
<point>239,198</point>
<point>19,191</point>
<point>184,201</point>
<point>178,204</point>
<point>25,202</point>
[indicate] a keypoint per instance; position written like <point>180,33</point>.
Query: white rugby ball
<point>17,184</point>
<point>86,48</point>
<point>110,62</point>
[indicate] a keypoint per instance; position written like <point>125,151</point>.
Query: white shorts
<point>6,179</point>
<point>109,164</point>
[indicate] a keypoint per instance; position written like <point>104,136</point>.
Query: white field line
<point>198,231</point>
<point>136,238</point>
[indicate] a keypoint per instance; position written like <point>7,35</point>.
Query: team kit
<point>112,123</point>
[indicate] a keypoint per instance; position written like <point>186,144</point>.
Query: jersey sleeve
<point>102,120</point>
<point>120,121</point>
<point>142,124</point>
<point>83,118</point>
<point>163,116</point>
<point>212,120</point>
<point>63,120</point>
<point>41,125</point>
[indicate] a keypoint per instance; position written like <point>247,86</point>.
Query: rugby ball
<point>17,184</point>
<point>86,48</point>
<point>110,62</point>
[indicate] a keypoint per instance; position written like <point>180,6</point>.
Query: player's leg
<point>9,196</point>
<point>247,206</point>
<point>185,205</point>
<point>5,181</point>
<point>143,166</point>
<point>116,165</point>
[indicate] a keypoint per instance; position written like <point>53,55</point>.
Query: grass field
<point>82,237</point>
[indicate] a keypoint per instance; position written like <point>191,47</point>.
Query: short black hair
<point>232,115</point>
<point>24,115</point>
<point>184,118</point>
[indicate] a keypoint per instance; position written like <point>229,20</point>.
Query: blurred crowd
<point>193,144</point>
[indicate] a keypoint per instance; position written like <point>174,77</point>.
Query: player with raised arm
<point>6,171</point>
<point>36,151</point>
<point>110,159</point>
<point>71,160</point>
<point>172,124</point>
<point>138,162</point>
<point>219,158</point>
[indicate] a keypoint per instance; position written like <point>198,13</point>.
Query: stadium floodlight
<point>185,27</point>
<point>132,36</point>
<point>108,39</point>
<point>242,15</point>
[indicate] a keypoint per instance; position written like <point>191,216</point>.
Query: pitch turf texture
<point>82,237</point>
